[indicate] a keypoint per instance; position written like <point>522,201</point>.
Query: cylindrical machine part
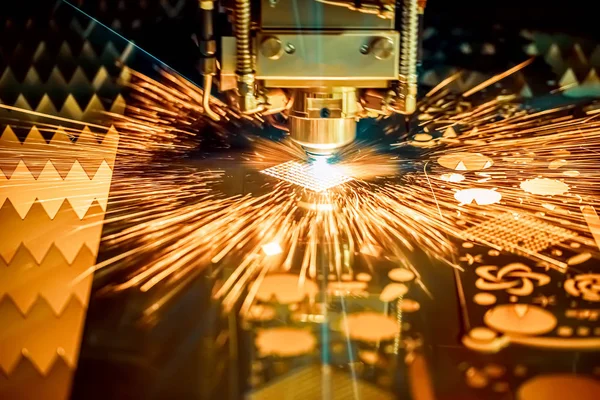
<point>244,62</point>
<point>409,54</point>
<point>242,37</point>
<point>206,38</point>
<point>324,120</point>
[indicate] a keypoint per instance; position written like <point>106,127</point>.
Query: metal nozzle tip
<point>322,155</point>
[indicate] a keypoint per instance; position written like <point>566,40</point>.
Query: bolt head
<point>290,49</point>
<point>382,48</point>
<point>271,47</point>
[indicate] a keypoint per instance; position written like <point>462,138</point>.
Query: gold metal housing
<point>324,120</point>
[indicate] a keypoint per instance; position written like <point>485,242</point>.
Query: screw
<point>325,113</point>
<point>289,48</point>
<point>364,49</point>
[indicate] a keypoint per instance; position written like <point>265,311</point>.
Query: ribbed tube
<point>410,40</point>
<point>242,37</point>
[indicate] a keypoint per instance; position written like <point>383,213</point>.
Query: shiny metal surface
<point>320,136</point>
<point>307,44</point>
<point>382,48</point>
<point>244,60</point>
<point>332,44</point>
<point>322,121</point>
<point>334,58</point>
<point>408,59</point>
<point>227,78</point>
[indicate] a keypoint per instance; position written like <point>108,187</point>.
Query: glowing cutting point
<point>317,176</point>
<point>272,248</point>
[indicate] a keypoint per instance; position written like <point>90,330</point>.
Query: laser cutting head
<point>335,61</point>
<point>323,121</point>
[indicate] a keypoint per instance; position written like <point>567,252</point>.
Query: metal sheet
<point>328,56</point>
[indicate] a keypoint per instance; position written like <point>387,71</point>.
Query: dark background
<point>164,27</point>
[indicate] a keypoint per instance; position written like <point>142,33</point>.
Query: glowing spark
<point>498,78</point>
<point>272,249</point>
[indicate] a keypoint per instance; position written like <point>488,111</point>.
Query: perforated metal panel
<point>317,177</point>
<point>526,233</point>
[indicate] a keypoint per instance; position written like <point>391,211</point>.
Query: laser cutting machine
<point>320,65</point>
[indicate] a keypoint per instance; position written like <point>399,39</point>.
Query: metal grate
<point>522,233</point>
<point>316,176</point>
